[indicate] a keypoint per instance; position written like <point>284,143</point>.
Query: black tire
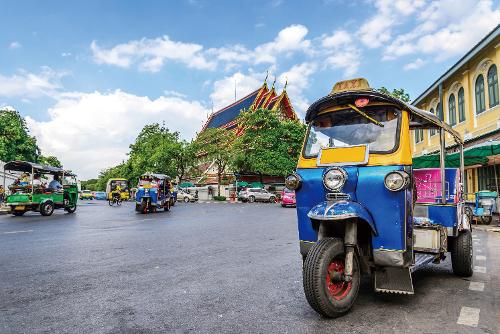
<point>272,199</point>
<point>18,213</point>
<point>186,199</point>
<point>167,207</point>
<point>321,256</point>
<point>462,254</point>
<point>70,209</point>
<point>283,205</point>
<point>46,208</point>
<point>110,202</point>
<point>486,220</point>
<point>251,199</point>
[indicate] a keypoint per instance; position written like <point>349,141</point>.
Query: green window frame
<point>493,86</point>
<point>461,105</point>
<point>432,131</point>
<point>479,93</point>
<point>452,110</point>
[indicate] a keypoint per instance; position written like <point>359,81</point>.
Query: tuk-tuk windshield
<point>348,128</point>
<point>122,183</point>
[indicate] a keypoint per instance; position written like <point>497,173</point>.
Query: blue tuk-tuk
<point>483,206</point>
<point>153,193</point>
<point>363,209</point>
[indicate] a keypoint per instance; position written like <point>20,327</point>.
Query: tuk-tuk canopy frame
<point>419,119</point>
<point>156,176</point>
<point>29,167</point>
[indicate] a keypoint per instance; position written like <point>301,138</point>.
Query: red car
<point>288,198</point>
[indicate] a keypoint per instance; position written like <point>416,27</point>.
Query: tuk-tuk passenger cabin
<point>361,206</point>
<point>27,195</point>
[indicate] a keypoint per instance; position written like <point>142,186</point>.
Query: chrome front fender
<point>341,210</point>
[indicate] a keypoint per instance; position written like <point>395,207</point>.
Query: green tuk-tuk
<point>39,188</point>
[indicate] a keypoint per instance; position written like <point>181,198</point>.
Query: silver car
<point>256,195</point>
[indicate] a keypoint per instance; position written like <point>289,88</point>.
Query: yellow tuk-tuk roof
<point>418,118</point>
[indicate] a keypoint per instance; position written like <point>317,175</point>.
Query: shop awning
<point>475,155</point>
<point>186,185</point>
<point>242,184</point>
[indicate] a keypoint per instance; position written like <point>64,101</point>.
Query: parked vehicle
<point>100,195</point>
<point>87,194</point>
<point>288,198</point>
<point>185,197</point>
<point>256,195</point>
<point>117,183</point>
<point>153,193</point>
<point>483,209</point>
<point>29,193</point>
<point>361,206</point>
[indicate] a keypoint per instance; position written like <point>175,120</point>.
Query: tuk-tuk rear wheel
<point>18,213</point>
<point>325,288</point>
<point>462,254</point>
<point>486,220</point>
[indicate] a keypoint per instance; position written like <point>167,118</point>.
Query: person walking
<point>2,194</point>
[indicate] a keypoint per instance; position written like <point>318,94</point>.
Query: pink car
<point>288,198</point>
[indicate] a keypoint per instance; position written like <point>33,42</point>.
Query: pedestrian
<point>2,193</point>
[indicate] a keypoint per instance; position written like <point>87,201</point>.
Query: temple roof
<point>231,112</point>
<point>260,98</point>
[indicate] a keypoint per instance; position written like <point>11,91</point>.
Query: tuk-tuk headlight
<point>334,178</point>
<point>293,181</point>
<point>397,180</point>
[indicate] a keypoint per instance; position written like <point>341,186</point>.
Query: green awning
<point>186,185</point>
<point>257,185</point>
<point>242,184</point>
<point>475,155</point>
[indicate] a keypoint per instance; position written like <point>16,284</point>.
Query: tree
<point>185,159</point>
<point>49,160</point>
<point>215,144</point>
<point>397,93</point>
<point>15,141</point>
<point>269,144</point>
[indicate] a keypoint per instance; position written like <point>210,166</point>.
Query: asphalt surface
<point>208,268</point>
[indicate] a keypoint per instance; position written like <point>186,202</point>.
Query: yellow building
<point>469,94</point>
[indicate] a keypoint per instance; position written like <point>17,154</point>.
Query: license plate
<point>19,207</point>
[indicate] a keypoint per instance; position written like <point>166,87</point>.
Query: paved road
<point>208,268</point>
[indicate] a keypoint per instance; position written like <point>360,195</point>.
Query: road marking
<point>476,286</point>
<point>469,316</point>
<point>480,257</point>
<point>480,269</point>
<point>15,232</point>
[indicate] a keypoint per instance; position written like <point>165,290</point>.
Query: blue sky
<point>89,75</point>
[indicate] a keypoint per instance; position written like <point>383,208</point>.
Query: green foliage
<point>269,145</point>
<point>219,198</point>
<point>90,185</point>
<point>216,144</point>
<point>156,149</point>
<point>397,93</point>
<point>15,141</point>
<point>49,160</point>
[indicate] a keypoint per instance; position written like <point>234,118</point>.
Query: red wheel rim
<point>337,289</point>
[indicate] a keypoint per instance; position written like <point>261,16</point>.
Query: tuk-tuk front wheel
<point>461,254</point>
<point>325,286</point>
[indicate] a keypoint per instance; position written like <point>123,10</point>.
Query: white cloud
<point>15,45</point>
<point>414,65</point>
<point>151,54</point>
<point>341,52</point>
<point>298,78</point>
<point>31,85</point>
<point>378,30</point>
<point>92,131</point>
<point>223,89</point>
<point>445,29</point>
